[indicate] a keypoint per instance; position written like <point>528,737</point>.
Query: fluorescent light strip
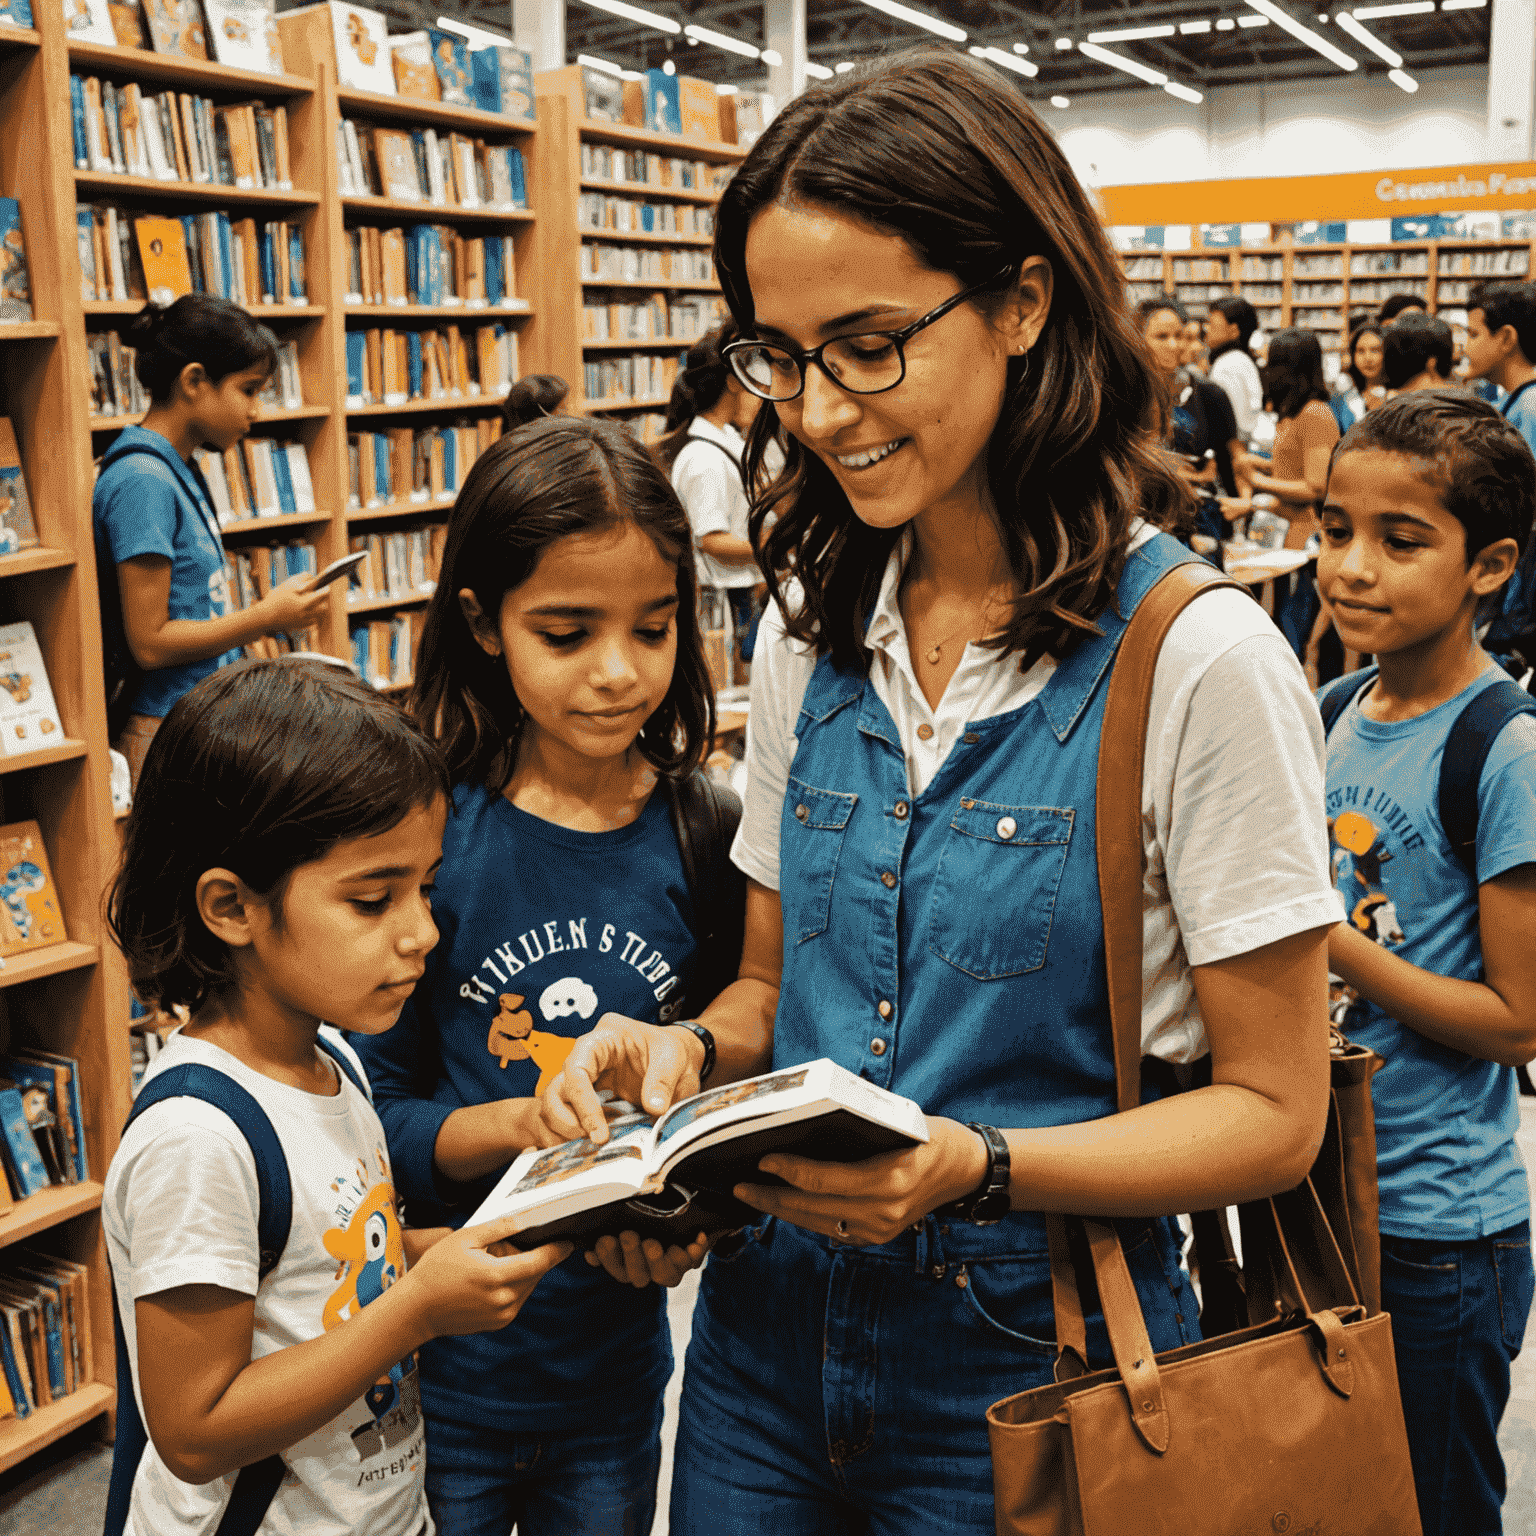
<point>1130,34</point>
<point>602,64</point>
<point>1006,60</point>
<point>1306,35</point>
<point>1253,21</point>
<point>726,90</point>
<point>844,68</point>
<point>478,36</point>
<point>1402,82</point>
<point>1462,5</point>
<point>771,57</point>
<point>1190,28</point>
<point>1119,61</point>
<point>1060,101</point>
<point>818,71</point>
<point>635,13</point>
<point>1062,44</point>
<point>1184,93</point>
<point>720,40</point>
<point>1021,47</point>
<point>1226,24</point>
<point>917,19</point>
<point>1381,12</point>
<point>1348,24</point>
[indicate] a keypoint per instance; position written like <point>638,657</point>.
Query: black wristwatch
<point>709,1045</point>
<point>988,1203</point>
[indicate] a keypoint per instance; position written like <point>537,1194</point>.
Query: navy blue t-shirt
<point>542,931</point>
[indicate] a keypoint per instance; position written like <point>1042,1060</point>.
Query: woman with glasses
<point>968,515</point>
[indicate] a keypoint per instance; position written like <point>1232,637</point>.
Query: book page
<point>684,1116</point>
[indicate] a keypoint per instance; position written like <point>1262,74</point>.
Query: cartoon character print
<point>17,684</point>
<point>513,1037</point>
<point>362,44</point>
<point>20,881</point>
<point>1357,844</point>
<point>371,1253</point>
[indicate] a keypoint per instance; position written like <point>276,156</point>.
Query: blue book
<point>15,285</point>
<point>663,109</point>
<point>503,81</point>
<point>357,350</point>
<point>77,113</point>
<point>413,362</point>
<point>13,1377</point>
<point>450,459</point>
<point>381,465</point>
<point>519,169</point>
<point>266,257</point>
<point>494,278</point>
<point>648,218</point>
<point>70,1096</point>
<point>413,262</point>
<point>17,13</point>
<point>29,1075</point>
<point>298,287</point>
<point>226,247</point>
<point>21,1150</point>
<point>194,252</point>
<point>53,1336</point>
<point>450,58</point>
<point>359,639</point>
<point>285,496</point>
<point>441,265</point>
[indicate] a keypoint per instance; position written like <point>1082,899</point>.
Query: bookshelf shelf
<point>641,237</point>
<point>517,311</point>
<point>377,604</point>
<point>19,1438</point>
<point>672,145</point>
<point>105,183</point>
<point>416,407</point>
<point>435,213</point>
<point>263,312</point>
<point>654,403</point>
<point>662,284</point>
<point>283,413</point>
<point>282,520</point>
<point>644,190</point>
<point>393,509</point>
<point>52,961</point>
<point>196,74</point>
<point>435,114</point>
<point>25,561</point>
<point>19,37</point>
<point>656,344</point>
<point>60,752</point>
<point>47,1208</point>
<point>28,330</point>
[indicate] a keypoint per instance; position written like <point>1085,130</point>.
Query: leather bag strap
<point>1071,1330</point>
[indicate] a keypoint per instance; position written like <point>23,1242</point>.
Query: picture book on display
<point>15,285</point>
<point>450,58</point>
<point>504,81</point>
<point>177,27</point>
<point>88,21</point>
<point>672,1177</point>
<point>45,1331</point>
<point>18,530</point>
<point>411,55</point>
<point>244,33</point>
<point>363,60</point>
<point>15,13</point>
<point>30,916</point>
<point>29,717</point>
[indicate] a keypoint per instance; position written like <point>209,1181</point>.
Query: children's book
<point>163,250</point>
<point>663,102</point>
<point>17,1360</point>
<point>29,715</point>
<point>66,1099</point>
<point>88,21</point>
<point>30,916</point>
<point>24,1162</point>
<point>411,55</point>
<point>177,27</point>
<point>672,1177</point>
<point>504,81</point>
<point>450,58</point>
<point>698,107</point>
<point>35,1084</point>
<point>18,529</point>
<point>15,13</point>
<point>127,23</point>
<point>244,33</point>
<point>603,95</point>
<point>15,285</point>
<point>362,49</point>
<point>396,159</point>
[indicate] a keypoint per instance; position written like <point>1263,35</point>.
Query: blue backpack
<point>257,1485</point>
<point>1467,747</point>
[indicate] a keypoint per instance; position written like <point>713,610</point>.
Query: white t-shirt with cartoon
<point>180,1208</point>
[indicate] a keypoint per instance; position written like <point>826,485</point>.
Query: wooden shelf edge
<point>626,135</point>
<point>42,558</point>
<point>193,191</point>
<point>56,958</point>
<point>131,307</point>
<point>418,109</point>
<point>160,66</point>
<point>379,604</point>
<point>436,311</point>
<point>404,205</point>
<point>456,403</point>
<point>679,194</point>
<point>20,1438</point>
<point>645,237</point>
<point>20,37</point>
<point>657,344</point>
<point>59,752</point>
<point>400,509</point>
<point>27,330</point>
<point>286,413</point>
<point>662,285</point>
<point>47,1209</point>
<point>278,520</point>
<point>655,403</point>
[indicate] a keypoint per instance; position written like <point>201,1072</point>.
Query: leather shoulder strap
<point>705,815</point>
<point>1122,757</point>
<point>1335,698</point>
<point>1467,747</point>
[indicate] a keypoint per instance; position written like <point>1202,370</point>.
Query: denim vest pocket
<point>995,891</point>
<point>810,840</point>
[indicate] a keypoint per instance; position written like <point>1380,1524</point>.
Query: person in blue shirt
<point>562,671</point>
<point>167,620</point>
<point>1429,503</point>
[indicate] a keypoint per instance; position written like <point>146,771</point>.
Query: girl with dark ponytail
<point>167,621</point>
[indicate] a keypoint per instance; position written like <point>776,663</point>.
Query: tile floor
<point>63,1492</point>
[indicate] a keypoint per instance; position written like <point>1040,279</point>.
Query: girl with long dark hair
<point>1362,385</point>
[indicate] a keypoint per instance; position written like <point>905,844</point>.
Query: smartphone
<point>337,569</point>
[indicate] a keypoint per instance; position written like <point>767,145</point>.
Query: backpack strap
<point>1467,747</point>
<point>1335,698</point>
<point>257,1484</point>
<point>341,1059</point>
<point>705,815</point>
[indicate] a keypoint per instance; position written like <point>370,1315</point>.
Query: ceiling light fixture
<point>1062,44</point>
<point>1119,61</point>
<point>602,64</point>
<point>1007,61</point>
<point>1060,101</point>
<point>635,13</point>
<point>1306,35</point>
<point>668,67</point>
<point>1402,82</point>
<point>843,68</point>
<point>917,19</point>
<point>818,71</point>
<point>726,90</point>
<point>1380,12</point>
<point>1462,5</point>
<point>1129,34</point>
<point>1021,47</point>
<point>771,57</point>
<point>1348,24</point>
<point>1226,24</point>
<point>1184,93</point>
<point>720,40</point>
<point>479,37</point>
<point>1190,28</point>
<point>1253,21</point>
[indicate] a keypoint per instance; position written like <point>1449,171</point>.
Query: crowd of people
<point>422,941</point>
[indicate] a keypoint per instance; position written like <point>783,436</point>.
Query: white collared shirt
<point>707,478</point>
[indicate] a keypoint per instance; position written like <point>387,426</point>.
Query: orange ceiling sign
<point>1358,195</point>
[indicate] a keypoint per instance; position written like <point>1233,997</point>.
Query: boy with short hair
<point>1430,499</point>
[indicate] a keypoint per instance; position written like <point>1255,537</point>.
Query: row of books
<point>43,1140</point>
<point>1369,263</point>
<point>384,650</point>
<point>1412,229</point>
<point>657,318</point>
<point>439,66</point>
<point>676,103</point>
<point>1375,292</point>
<point>126,255</point>
<point>45,1331</point>
<point>175,136</point>
<point>602,162</point>
<point>15,280</point>
<point>1317,293</point>
<point>402,564</point>
<point>252,571</point>
<point>1507,263</point>
<point>638,264</point>
<point>596,210</point>
<point>645,376</point>
<point>1265,293</point>
<point>116,391</point>
<point>424,465</point>
<point>258,477</point>
<point>18,528</point>
<point>243,32</point>
<point>389,367</point>
<point>417,165</point>
<point>430,264</point>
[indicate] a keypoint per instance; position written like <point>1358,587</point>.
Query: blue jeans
<point>835,1390</point>
<point>482,1481</point>
<point>1458,1319</point>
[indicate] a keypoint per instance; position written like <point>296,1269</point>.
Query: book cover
<point>603,95</point>
<point>29,717</point>
<point>672,1177</point>
<point>698,108</point>
<point>127,23</point>
<point>357,347</point>
<point>362,49</point>
<point>30,916</point>
<point>177,26</point>
<point>15,13</point>
<point>415,74</point>
<point>89,21</point>
<point>15,284</point>
<point>23,1161</point>
<point>450,58</point>
<point>18,530</point>
<point>663,109</point>
<point>36,1086</point>
<point>397,164</point>
<point>163,251</point>
<point>244,33</point>
<point>503,81</point>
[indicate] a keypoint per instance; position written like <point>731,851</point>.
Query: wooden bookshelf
<point>203,76</point>
<point>428,511</point>
<point>564,128</point>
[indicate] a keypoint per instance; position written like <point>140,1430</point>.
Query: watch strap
<point>709,1045</point>
<point>989,1202</point>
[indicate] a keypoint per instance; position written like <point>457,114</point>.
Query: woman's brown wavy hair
<point>941,150</point>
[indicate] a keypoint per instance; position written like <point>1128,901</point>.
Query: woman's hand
<point>292,605</point>
<point>651,1065</point>
<point>641,1263</point>
<point>876,1200</point>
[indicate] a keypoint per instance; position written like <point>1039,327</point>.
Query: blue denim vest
<point>950,947</point>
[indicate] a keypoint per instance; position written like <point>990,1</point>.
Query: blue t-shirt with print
<point>1445,1122</point>
<point>542,931</point>
<point>151,503</point>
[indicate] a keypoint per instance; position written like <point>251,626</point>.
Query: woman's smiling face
<point>816,274</point>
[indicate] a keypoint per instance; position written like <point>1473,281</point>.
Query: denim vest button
<point>887,879</point>
<point>801,813</point>
<point>877,1046</point>
<point>925,732</point>
<point>1006,827</point>
<point>884,1010</point>
<point>899,810</point>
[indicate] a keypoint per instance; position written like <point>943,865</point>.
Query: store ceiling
<point>840,30</point>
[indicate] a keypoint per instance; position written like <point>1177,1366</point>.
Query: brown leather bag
<point>1249,1431</point>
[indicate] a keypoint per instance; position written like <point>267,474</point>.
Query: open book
<point>672,1178</point>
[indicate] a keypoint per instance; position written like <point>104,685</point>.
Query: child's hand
<point>293,606</point>
<point>467,1283</point>
<point>640,1264</point>
<point>418,1239</point>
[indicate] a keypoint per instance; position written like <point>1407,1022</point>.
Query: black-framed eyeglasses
<point>867,364</point>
